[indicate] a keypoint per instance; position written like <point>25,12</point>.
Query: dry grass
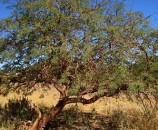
<point>40,97</point>
<point>124,113</point>
<point>103,106</point>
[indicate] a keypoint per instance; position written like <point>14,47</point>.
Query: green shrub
<point>15,111</point>
<point>69,115</point>
<point>19,109</point>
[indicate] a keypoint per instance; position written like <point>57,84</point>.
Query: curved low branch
<point>87,91</point>
<point>41,121</point>
<point>91,100</point>
<point>106,93</point>
<point>39,115</point>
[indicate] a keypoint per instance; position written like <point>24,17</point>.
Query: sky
<point>3,11</point>
<point>148,7</point>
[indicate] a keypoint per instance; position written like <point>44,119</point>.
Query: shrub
<point>69,115</point>
<point>133,119</point>
<point>16,111</point>
<point>19,109</point>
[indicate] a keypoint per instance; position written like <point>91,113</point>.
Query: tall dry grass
<point>123,113</point>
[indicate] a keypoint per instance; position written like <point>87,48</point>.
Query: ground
<point>107,113</point>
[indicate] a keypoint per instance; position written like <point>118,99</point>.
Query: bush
<point>69,115</point>
<point>19,109</point>
<point>15,111</point>
<point>133,119</point>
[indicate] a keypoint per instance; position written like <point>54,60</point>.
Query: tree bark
<point>41,122</point>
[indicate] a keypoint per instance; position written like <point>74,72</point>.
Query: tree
<point>80,47</point>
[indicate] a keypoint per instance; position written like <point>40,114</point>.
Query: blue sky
<point>3,11</point>
<point>148,7</point>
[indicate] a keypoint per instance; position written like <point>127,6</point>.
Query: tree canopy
<point>79,46</point>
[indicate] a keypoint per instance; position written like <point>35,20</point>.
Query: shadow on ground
<point>81,121</point>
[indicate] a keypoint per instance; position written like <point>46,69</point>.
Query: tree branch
<point>61,90</point>
<point>107,93</point>
<point>87,91</point>
<point>93,99</point>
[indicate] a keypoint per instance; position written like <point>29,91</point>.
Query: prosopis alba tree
<point>78,46</point>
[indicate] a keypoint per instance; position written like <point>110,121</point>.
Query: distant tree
<point>78,46</point>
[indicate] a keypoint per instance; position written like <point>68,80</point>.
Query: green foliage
<point>17,110</point>
<point>94,113</point>
<point>14,113</point>
<point>69,115</point>
<point>80,44</point>
<point>136,86</point>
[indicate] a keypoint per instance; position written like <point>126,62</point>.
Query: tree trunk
<point>41,122</point>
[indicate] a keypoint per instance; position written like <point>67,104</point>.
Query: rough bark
<point>41,121</point>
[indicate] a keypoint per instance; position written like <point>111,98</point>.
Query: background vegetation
<point>86,50</point>
<point>121,112</point>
